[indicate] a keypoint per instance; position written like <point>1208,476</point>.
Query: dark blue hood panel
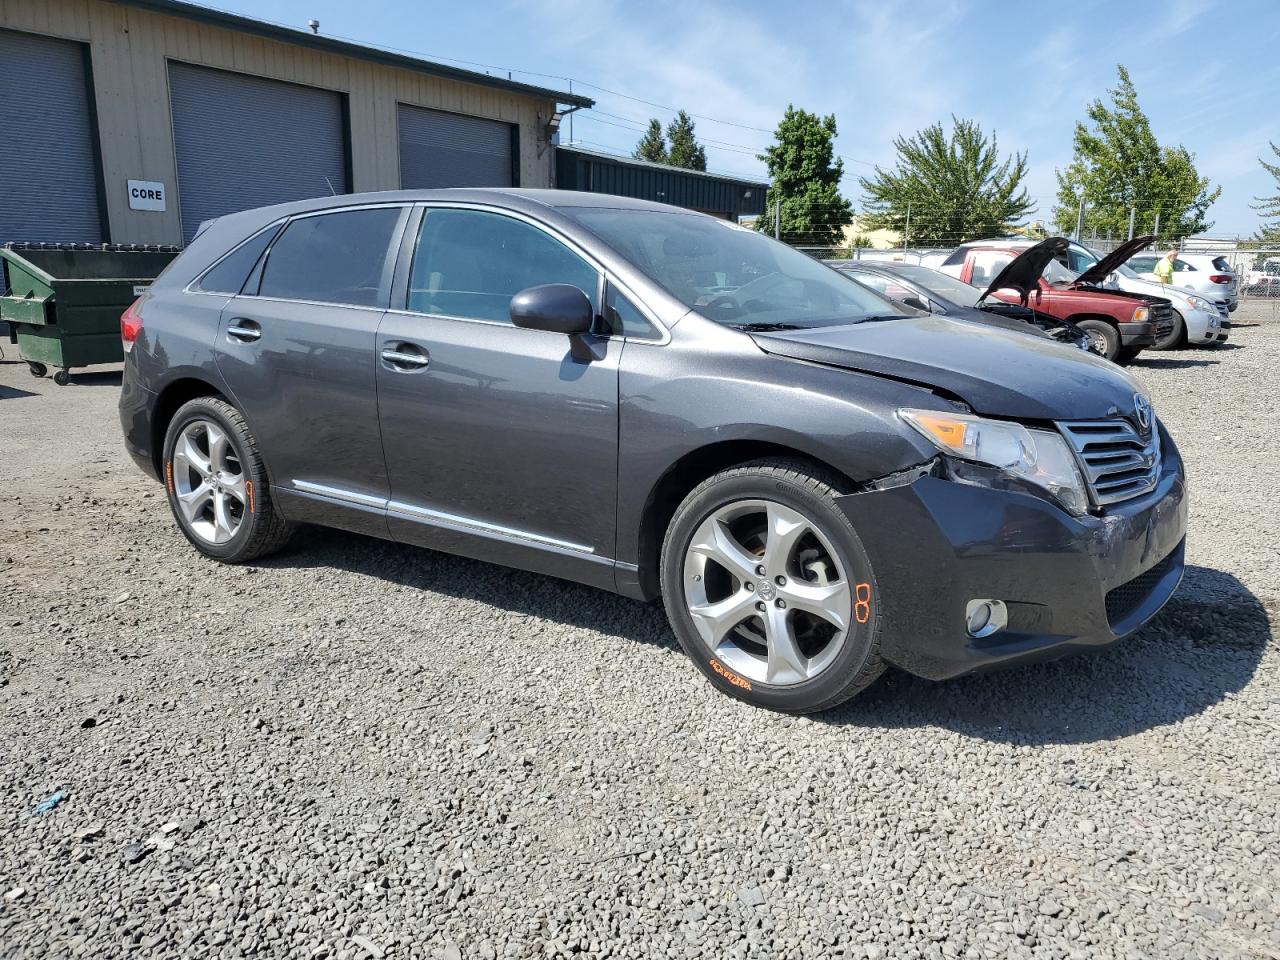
<point>996,372</point>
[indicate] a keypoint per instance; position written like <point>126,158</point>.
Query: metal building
<point>132,121</point>
<point>721,196</point>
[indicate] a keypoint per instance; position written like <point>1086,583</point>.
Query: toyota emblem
<point>1142,412</point>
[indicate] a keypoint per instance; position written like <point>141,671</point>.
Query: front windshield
<point>1055,272</point>
<point>947,287</point>
<point>732,275</point>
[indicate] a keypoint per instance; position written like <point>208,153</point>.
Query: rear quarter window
<point>229,274</point>
<point>1221,263</point>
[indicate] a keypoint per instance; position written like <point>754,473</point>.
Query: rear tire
<point>1176,338</point>
<point>1104,339</point>
<point>218,486</point>
<point>800,637</point>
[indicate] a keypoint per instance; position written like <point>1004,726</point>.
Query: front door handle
<point>404,357</point>
<point>244,331</point>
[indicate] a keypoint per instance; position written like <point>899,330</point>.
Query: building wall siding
<point>129,50</point>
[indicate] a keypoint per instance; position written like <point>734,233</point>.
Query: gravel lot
<point>361,750</point>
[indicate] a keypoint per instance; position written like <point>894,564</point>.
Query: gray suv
<point>814,481</point>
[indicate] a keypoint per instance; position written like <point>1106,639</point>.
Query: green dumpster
<point>63,300</point>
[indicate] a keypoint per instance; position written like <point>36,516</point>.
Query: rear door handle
<point>404,357</point>
<point>244,331</point>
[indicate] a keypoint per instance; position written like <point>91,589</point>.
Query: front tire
<point>769,589</point>
<point>1177,337</point>
<point>1104,339</point>
<point>217,484</point>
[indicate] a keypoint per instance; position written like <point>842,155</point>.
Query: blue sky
<point>1208,74</point>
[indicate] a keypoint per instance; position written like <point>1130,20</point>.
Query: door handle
<point>243,331</point>
<point>405,357</point>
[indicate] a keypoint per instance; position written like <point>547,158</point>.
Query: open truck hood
<point>1023,273</point>
<point>1113,260</point>
<point>996,372</point>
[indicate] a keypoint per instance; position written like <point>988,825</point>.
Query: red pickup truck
<point>1119,324</point>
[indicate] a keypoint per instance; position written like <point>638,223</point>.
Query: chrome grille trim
<point>1117,461</point>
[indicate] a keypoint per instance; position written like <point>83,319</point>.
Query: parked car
<point>1196,320</point>
<point>1119,324</point>
<point>1263,279</point>
<point>1202,273</point>
<point>935,292</point>
<point>662,404</point>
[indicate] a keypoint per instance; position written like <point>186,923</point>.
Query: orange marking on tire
<point>862,602</point>
<point>732,677</point>
<point>168,476</point>
<point>248,492</point>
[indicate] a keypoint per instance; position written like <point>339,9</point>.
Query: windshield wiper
<point>880,317</point>
<point>766,327</point>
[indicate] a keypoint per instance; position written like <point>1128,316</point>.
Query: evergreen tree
<point>1269,231</point>
<point>685,151</point>
<point>652,146</point>
<point>953,188</point>
<point>804,181</point>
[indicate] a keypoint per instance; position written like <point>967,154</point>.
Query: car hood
<point>1023,272</point>
<point>1121,254</point>
<point>999,373</point>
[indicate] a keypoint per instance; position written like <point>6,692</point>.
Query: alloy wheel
<point>767,592</point>
<point>209,482</point>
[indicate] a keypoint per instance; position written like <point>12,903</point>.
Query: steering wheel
<point>724,302</point>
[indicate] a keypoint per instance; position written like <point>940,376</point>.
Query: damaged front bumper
<point>1069,583</point>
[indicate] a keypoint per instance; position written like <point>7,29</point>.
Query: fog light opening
<point>985,617</point>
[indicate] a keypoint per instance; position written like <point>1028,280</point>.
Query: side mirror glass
<point>557,307</point>
<point>916,302</point>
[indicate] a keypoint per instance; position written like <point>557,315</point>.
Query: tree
<point>651,146</point>
<point>1268,234</point>
<point>685,151</point>
<point>804,180</point>
<point>953,188</point>
<point>1119,165</point>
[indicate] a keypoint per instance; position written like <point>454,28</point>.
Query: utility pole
<point>906,233</point>
<point>1080,218</point>
<point>1157,229</point>
<point>571,114</point>
<point>1133,212</point>
<point>777,218</point>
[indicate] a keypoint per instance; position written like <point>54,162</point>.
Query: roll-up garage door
<point>439,149</point>
<point>48,165</point>
<point>246,142</point>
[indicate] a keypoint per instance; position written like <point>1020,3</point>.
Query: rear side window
<point>1221,263</point>
<point>1143,264</point>
<point>470,263</point>
<point>229,274</point>
<point>1181,266</point>
<point>331,258</point>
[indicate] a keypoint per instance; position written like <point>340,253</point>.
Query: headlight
<point>1039,457</point>
<point>1199,304</point>
<point>1140,315</point>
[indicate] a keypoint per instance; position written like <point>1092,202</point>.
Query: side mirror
<point>916,302</point>
<point>557,307</point>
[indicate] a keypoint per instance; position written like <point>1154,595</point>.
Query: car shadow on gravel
<point>517,591</point>
<point>1173,363</point>
<point>1204,646</point>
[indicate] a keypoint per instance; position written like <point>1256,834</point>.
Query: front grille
<point>1118,462</point>
<point>1162,317</point>
<point>1127,597</point>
